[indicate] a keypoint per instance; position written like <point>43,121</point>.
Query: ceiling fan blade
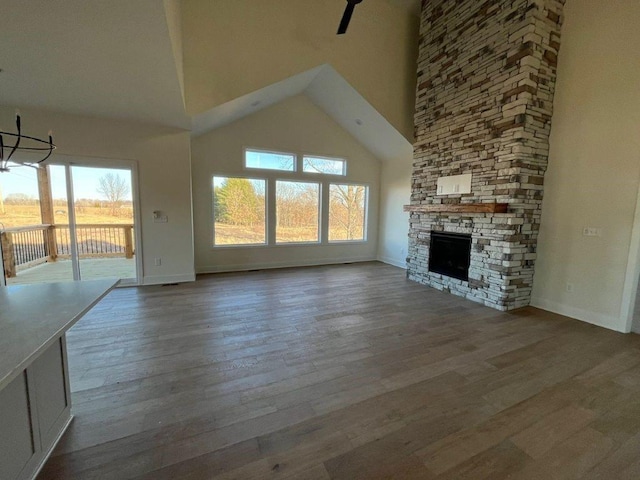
<point>346,17</point>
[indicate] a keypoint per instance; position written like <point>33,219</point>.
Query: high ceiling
<point>115,58</point>
<point>328,90</point>
<point>108,58</point>
<point>412,6</point>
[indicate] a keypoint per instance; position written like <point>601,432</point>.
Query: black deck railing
<point>24,247</point>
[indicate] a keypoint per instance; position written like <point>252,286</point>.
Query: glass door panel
<point>104,223</point>
<point>32,202</point>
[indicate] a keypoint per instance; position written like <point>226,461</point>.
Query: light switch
<point>158,217</point>
<point>592,232</point>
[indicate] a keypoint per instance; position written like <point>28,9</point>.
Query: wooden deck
<point>343,372</point>
<point>90,269</point>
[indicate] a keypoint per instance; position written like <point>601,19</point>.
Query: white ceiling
<point>115,58</point>
<point>252,102</point>
<point>333,94</point>
<point>329,91</point>
<point>109,58</point>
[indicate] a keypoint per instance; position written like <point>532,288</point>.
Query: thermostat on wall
<point>454,184</point>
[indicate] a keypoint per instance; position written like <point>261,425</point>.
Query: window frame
<point>266,213</point>
<point>273,152</point>
<point>271,177</point>
<point>323,157</point>
<point>365,226</point>
<point>276,243</point>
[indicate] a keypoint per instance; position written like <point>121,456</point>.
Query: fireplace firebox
<point>450,254</point>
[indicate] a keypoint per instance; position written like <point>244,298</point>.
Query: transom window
<point>329,166</point>
<point>270,160</point>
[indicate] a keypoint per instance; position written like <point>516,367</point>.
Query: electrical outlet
<point>157,261</point>
<point>569,288</point>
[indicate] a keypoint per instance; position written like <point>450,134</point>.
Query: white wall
<point>395,190</point>
<point>594,165</point>
<point>294,125</point>
<point>233,48</point>
<point>162,155</point>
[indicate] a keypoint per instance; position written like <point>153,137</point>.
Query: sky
<point>23,179</point>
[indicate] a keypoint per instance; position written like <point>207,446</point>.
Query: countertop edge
<point>57,334</point>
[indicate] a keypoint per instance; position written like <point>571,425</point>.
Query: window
<point>297,212</point>
<point>244,217</point>
<point>347,212</point>
<point>270,160</point>
<point>330,166</point>
<point>239,211</point>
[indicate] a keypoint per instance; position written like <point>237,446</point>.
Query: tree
<point>20,199</point>
<point>114,188</point>
<point>347,211</point>
<point>297,204</point>
<point>237,203</point>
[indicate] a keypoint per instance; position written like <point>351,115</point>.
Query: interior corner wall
<point>395,192</point>
<point>163,159</point>
<point>295,125</point>
<point>173,12</point>
<point>594,165</point>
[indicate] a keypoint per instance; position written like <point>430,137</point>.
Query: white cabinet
<point>17,441</point>
<point>34,412</point>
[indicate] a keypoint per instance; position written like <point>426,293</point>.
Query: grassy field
<point>242,235</point>
<point>21,215</point>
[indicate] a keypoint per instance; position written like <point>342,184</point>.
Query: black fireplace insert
<point>450,254</point>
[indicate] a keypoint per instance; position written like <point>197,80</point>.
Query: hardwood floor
<point>343,372</point>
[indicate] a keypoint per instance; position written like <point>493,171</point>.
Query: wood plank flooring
<point>343,372</point>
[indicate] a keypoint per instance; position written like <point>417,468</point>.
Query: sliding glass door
<point>83,225</point>
<point>104,222</point>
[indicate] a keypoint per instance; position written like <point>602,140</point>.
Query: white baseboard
<point>605,321</point>
<point>162,279</point>
<point>396,262</point>
<point>242,267</point>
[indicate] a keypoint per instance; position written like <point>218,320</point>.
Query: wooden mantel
<point>458,208</point>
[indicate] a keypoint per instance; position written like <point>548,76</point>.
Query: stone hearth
<point>486,78</point>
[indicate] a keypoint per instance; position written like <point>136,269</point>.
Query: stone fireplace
<point>486,78</point>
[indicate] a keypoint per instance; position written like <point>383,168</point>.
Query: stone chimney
<point>486,79</point>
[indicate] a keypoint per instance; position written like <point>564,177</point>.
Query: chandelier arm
<point>47,146</point>
<point>3,164</point>
<point>19,135</point>
<point>28,137</point>
<point>51,147</point>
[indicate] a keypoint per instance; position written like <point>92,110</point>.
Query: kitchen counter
<point>35,399</point>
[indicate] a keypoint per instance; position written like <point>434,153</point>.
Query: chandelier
<point>18,142</point>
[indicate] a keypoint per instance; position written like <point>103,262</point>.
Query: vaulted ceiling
<point>107,58</point>
<point>123,59</point>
